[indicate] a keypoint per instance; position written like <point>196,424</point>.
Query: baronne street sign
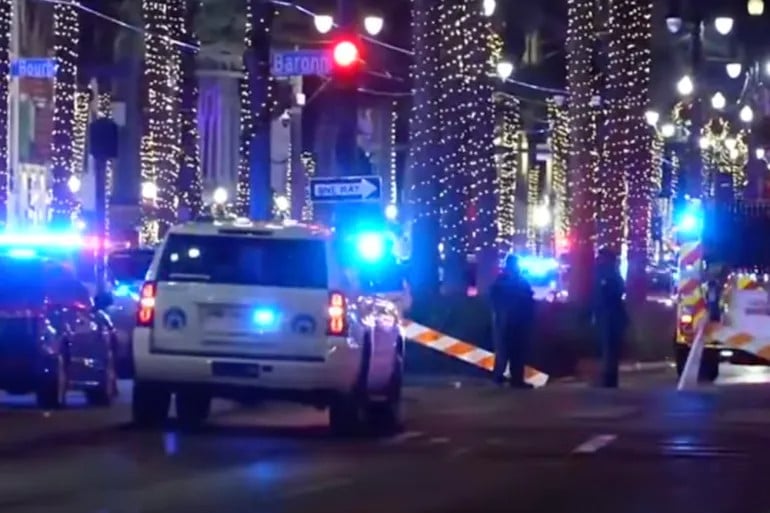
<point>349,188</point>
<point>300,62</point>
<point>37,67</point>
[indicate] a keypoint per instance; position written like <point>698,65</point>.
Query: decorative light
<point>542,216</point>
<point>724,24</point>
<point>221,195</point>
<point>718,101</point>
<point>489,7</point>
<point>755,7</point>
<point>759,153</point>
<point>652,117</point>
<point>504,70</point>
<point>74,184</point>
<point>746,114</point>
<point>674,24</point>
<point>149,191</point>
<point>308,166</point>
<point>282,203</point>
<point>373,25</point>
<point>734,69</point>
<point>685,86</point>
<point>391,212</point>
<point>323,23</point>
<point>668,130</point>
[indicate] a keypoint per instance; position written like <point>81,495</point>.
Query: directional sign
<point>300,62</point>
<point>350,188</point>
<point>38,67</point>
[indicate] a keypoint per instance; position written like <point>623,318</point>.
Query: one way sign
<point>349,188</point>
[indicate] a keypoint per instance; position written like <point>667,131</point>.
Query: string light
<point>580,80</point>
<point>66,32</point>
<point>104,110</point>
<point>308,167</point>
<point>6,14</point>
<point>254,118</point>
<point>559,145</point>
<point>393,165</point>
<point>190,174</point>
<point>533,202</point>
<point>507,133</point>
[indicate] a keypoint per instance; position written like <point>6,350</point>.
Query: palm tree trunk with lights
<point>580,78</point>
<point>66,33</point>
<point>254,194</point>
<point>190,179</point>
<point>5,73</point>
<point>422,172</point>
<point>639,173</point>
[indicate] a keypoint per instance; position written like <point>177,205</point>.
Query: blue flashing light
<point>22,253</point>
<point>42,239</point>
<point>126,290</point>
<point>538,267</point>
<point>371,246</point>
<point>264,317</point>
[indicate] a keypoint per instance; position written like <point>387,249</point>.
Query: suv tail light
<point>338,321</point>
<point>145,315</point>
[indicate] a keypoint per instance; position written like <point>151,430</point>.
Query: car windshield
<point>244,260</point>
<point>129,265</point>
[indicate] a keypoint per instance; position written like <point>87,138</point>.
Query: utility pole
<point>103,145</point>
<point>13,172</point>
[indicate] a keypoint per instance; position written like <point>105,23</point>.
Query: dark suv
<point>52,337</point>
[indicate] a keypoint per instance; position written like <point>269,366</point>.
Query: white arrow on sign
<point>362,189</point>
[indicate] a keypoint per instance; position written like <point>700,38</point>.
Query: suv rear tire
<point>104,394</point>
<point>192,407</point>
<point>386,416</point>
<point>150,404</point>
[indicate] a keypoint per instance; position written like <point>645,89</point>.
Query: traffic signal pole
<point>345,104</point>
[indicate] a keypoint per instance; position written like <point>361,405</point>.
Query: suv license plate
<point>235,370</point>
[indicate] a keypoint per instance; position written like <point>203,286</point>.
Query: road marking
<point>594,444</point>
<point>438,440</point>
<point>459,453</point>
<point>403,437</point>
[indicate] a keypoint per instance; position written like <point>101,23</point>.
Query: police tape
<point>463,351</point>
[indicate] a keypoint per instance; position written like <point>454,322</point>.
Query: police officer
<point>513,310</point>
<point>609,314</point>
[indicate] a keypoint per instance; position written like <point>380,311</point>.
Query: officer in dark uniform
<point>609,314</point>
<point>513,310</point>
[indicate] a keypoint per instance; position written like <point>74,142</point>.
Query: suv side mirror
<point>103,300</point>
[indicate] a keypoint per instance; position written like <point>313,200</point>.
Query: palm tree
<point>190,179</point>
<point>5,72</point>
<point>66,32</point>
<point>580,84</point>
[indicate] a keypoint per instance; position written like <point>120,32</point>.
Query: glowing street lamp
<point>220,196</point>
<point>668,130</point>
<point>746,114</point>
<point>718,101</point>
<point>489,7</point>
<point>504,70</point>
<point>756,7</point>
<point>685,86</point>
<point>724,24</point>
<point>734,69</point>
<point>74,184</point>
<point>323,23</point>
<point>652,117</point>
<point>149,191</point>
<point>373,25</point>
<point>282,203</point>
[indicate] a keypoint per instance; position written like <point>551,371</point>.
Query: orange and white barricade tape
<point>464,351</point>
<point>690,289</point>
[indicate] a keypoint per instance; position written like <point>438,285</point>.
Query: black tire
<point>51,393</point>
<point>150,404</point>
<point>709,367</point>
<point>681,352</point>
<point>386,416</point>
<point>192,407</point>
<point>105,393</point>
<point>346,411</point>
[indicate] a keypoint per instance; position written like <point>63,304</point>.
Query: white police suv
<point>253,311</point>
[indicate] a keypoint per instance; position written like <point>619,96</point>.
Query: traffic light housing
<point>346,60</point>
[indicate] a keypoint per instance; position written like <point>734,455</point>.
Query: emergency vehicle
<point>723,285</point>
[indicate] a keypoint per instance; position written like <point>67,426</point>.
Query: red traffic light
<point>345,54</point>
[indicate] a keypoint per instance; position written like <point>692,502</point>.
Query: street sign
<point>300,62</point>
<point>36,67</point>
<point>349,188</point>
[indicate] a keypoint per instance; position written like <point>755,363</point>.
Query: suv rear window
<point>244,260</point>
<point>22,282</point>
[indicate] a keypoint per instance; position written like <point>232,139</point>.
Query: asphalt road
<point>467,447</point>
